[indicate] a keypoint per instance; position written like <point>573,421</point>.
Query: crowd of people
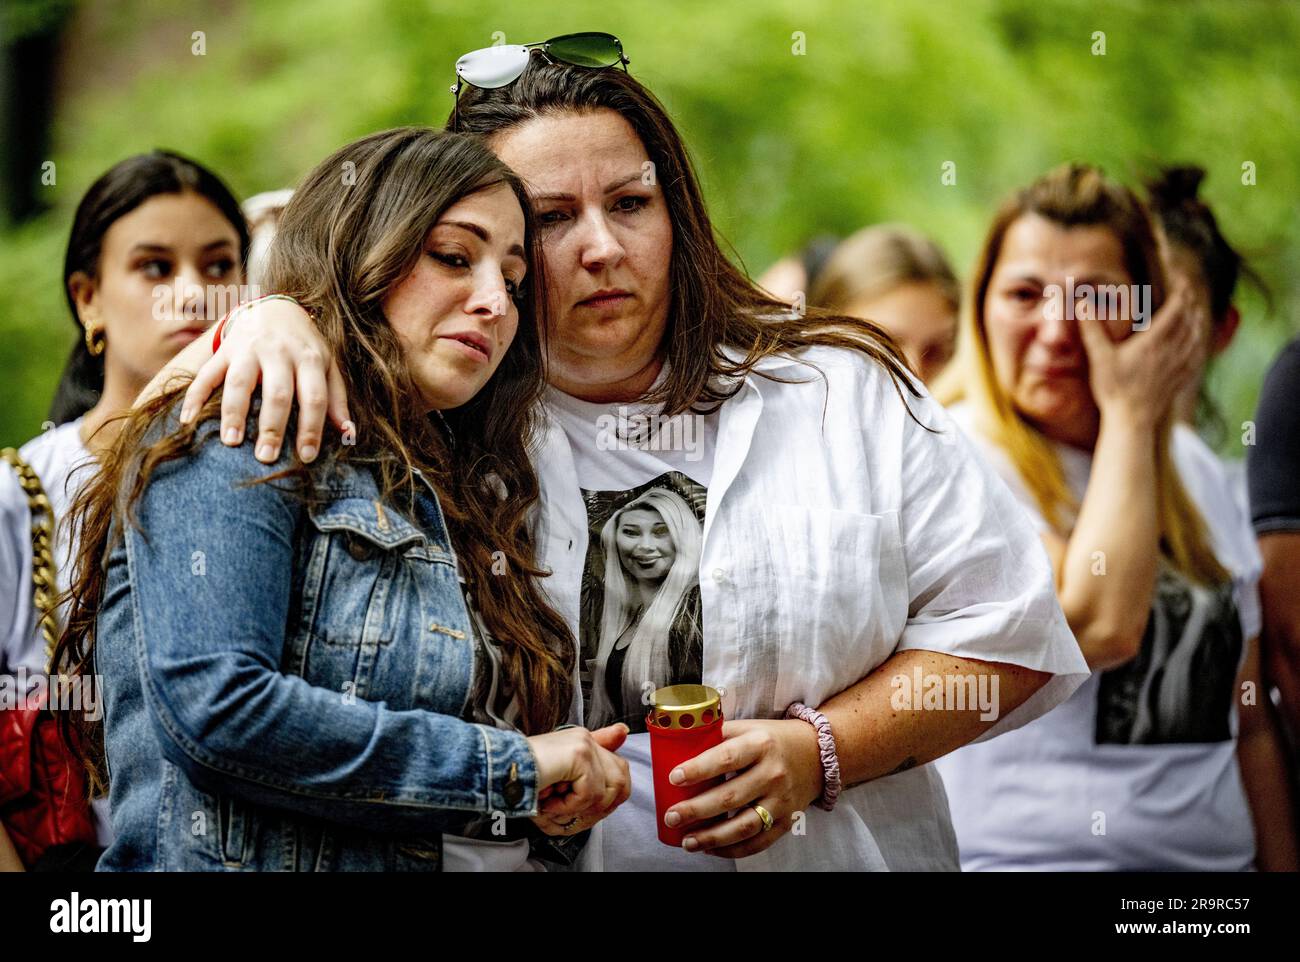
<point>380,571</point>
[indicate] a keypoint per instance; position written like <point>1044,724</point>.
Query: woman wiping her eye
<point>1161,761</point>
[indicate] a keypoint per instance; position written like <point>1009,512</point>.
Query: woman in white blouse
<point>851,538</point>
<point>1168,758</point>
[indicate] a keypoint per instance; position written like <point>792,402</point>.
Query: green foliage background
<point>854,130</point>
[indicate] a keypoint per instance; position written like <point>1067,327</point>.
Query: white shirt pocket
<point>832,589</point>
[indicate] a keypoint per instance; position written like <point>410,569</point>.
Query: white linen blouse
<point>839,531</point>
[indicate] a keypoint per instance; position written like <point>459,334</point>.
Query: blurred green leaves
<point>854,130</point>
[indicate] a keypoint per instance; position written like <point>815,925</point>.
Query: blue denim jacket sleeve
<point>209,649</point>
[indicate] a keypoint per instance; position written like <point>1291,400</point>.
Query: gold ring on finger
<point>765,815</point>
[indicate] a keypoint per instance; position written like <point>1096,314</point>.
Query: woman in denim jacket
<point>348,664</point>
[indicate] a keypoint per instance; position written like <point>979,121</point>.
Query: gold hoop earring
<point>95,340</point>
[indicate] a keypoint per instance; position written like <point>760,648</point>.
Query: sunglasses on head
<point>498,66</point>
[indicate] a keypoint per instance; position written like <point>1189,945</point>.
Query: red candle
<point>684,721</point>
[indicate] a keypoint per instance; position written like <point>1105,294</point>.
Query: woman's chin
<point>445,389</point>
<point>444,400</point>
<point>603,337</point>
<point>1056,409</point>
<point>652,577</point>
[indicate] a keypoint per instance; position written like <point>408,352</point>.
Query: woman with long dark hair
<point>187,234</point>
<point>850,538</point>
<point>156,242</point>
<point>347,665</point>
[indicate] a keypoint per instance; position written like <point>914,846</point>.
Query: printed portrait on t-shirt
<point>1181,685</point>
<point>640,621</point>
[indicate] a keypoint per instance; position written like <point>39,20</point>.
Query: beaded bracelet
<point>831,784</point>
<point>221,324</point>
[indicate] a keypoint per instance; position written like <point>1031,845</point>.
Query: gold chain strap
<point>44,589</point>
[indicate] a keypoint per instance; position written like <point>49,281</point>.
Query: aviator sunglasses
<point>493,67</point>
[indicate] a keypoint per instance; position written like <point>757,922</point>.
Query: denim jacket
<point>284,684</point>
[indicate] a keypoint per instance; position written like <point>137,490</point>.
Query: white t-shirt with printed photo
<point>1138,770</point>
<point>642,480</point>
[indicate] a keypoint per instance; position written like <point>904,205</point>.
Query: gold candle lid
<point>686,706</point>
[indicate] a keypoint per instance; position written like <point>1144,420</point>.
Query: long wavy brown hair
<point>353,231</point>
<point>714,304</point>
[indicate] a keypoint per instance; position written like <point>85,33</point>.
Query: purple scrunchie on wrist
<point>826,742</point>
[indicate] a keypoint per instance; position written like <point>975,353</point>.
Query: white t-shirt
<point>63,464</point>
<point>1138,770</point>
<point>460,854</point>
<point>644,478</point>
<point>837,532</point>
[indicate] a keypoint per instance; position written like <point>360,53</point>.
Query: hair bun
<point>1176,185</point>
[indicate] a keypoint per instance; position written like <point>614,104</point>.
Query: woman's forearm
<point>1264,774</point>
<point>1279,595</point>
<point>364,765</point>
<point>1107,576</point>
<point>882,727</point>
<point>1268,791</point>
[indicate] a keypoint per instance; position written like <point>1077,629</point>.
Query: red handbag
<point>44,798</point>
<point>43,794</point>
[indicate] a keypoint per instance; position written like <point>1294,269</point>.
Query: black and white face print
<point>1180,686</point>
<point>640,621</point>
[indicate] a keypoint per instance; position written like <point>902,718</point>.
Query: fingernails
<point>187,414</point>
<point>308,452</point>
<point>672,819</point>
<point>690,844</point>
<point>677,776</point>
<point>266,453</point>
<point>230,436</point>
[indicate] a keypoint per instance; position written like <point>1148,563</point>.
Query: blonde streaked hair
<point>1072,195</point>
